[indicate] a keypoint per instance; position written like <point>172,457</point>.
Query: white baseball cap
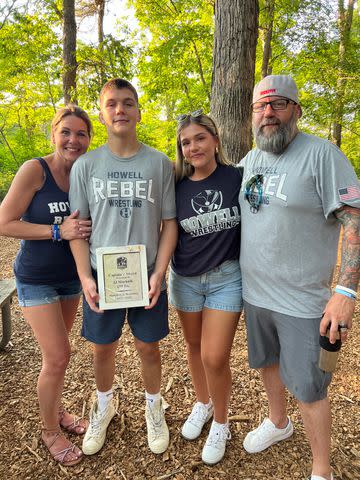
<point>276,85</point>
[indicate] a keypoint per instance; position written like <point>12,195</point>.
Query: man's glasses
<point>254,197</point>
<point>185,116</point>
<point>275,105</point>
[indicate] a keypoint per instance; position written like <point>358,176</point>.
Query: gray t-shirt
<point>289,247</point>
<point>126,198</point>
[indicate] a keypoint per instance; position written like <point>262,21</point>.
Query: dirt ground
<point>125,455</point>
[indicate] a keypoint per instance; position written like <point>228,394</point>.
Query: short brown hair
<point>118,83</point>
<point>72,110</point>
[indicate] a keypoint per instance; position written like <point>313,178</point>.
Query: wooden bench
<point>7,290</point>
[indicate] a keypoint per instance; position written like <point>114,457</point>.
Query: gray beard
<point>279,140</point>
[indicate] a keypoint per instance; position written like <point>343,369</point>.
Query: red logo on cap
<point>271,90</point>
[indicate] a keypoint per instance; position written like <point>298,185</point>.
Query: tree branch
<point>201,71</point>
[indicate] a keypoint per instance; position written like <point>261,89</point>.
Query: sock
<point>206,405</point>
<point>317,477</point>
<point>104,398</point>
<point>151,398</point>
<point>216,426</point>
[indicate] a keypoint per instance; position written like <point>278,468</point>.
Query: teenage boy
<point>127,188</point>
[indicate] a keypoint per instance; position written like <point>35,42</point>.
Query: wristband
<point>55,233</point>
<point>343,292</point>
<point>346,289</point>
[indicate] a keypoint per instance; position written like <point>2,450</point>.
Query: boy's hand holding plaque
<point>122,277</point>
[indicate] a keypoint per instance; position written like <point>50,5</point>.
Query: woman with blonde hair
<point>205,278</point>
<point>36,210</point>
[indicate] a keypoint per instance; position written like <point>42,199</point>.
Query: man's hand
<point>91,294</point>
<point>155,282</point>
<point>338,311</point>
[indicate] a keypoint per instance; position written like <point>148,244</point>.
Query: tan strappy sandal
<point>61,455</point>
<point>78,425</point>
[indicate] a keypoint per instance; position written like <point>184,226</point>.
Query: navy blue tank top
<point>45,261</point>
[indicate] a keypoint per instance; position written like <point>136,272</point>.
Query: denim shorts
<point>32,295</point>
<point>218,289</point>
<point>292,343</point>
<point>146,325</point>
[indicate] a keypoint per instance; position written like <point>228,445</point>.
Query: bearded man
<point>297,191</point>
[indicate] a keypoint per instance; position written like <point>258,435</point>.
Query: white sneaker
<point>157,430</point>
<point>215,445</point>
<point>199,415</point>
<point>96,433</point>
<point>266,435</point>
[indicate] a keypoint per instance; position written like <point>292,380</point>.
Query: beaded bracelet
<point>55,233</point>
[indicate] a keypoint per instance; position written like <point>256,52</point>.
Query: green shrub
<point>5,181</point>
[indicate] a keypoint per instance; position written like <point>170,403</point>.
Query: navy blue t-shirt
<point>45,261</point>
<point>208,216</point>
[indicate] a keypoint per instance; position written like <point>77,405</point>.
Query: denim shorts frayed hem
<point>34,295</point>
<point>210,306</point>
<point>218,289</point>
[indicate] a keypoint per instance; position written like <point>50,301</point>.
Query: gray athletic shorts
<point>291,342</point>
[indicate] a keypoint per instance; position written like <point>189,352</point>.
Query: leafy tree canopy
<point>169,57</point>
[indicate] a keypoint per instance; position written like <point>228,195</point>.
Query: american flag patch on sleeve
<point>349,193</point>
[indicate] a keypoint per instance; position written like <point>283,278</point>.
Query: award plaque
<point>122,277</point>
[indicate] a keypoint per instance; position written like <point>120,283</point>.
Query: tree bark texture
<point>69,52</point>
<point>345,17</point>
<point>265,68</point>
<point>236,32</point>
<point>100,6</point>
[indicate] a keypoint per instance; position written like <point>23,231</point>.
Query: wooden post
<point>7,290</point>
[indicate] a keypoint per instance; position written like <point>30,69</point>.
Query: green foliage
<point>98,64</point>
<point>30,89</point>
<point>31,84</point>
<point>5,181</point>
<point>170,55</point>
<point>174,64</point>
<point>305,44</point>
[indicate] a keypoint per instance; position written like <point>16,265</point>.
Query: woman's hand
<point>73,228</point>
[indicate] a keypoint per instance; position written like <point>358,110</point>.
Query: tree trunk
<point>345,23</point>
<point>100,6</point>
<point>269,7</point>
<point>69,52</point>
<point>236,32</point>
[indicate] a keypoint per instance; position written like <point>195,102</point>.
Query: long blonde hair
<point>183,168</point>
